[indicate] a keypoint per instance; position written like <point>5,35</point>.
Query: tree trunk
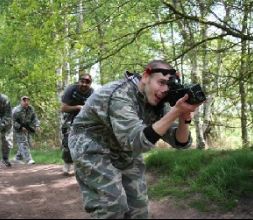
<point>189,40</point>
<point>242,89</point>
<point>101,49</point>
<point>80,21</point>
<point>206,127</point>
<point>60,89</point>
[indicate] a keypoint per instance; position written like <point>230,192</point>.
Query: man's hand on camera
<point>182,110</point>
<point>186,117</point>
<point>79,107</point>
<point>185,108</point>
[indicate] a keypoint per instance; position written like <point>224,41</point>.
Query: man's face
<point>25,103</point>
<point>156,88</point>
<point>84,83</point>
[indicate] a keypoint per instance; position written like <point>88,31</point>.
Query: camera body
<point>178,90</point>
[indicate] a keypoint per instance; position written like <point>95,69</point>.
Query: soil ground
<point>42,192</point>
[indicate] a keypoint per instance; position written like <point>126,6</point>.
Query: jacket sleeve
<point>34,119</point>
<point>127,126</point>
<point>16,123</point>
<point>170,138</point>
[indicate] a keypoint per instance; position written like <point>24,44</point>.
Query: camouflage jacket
<point>113,120</point>
<point>22,116</point>
<point>5,113</point>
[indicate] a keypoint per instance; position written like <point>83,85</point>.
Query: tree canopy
<point>43,44</point>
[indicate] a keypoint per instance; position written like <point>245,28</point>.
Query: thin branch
<point>233,32</point>
<point>134,35</point>
<point>197,44</point>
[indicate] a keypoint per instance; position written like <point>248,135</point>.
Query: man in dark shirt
<point>73,99</point>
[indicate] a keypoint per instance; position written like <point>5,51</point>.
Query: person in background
<point>118,123</point>
<point>25,123</point>
<point>73,99</point>
<point>5,129</point>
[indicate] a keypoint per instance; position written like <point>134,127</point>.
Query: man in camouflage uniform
<point>5,128</point>
<point>118,123</point>
<point>73,99</point>
<point>25,123</point>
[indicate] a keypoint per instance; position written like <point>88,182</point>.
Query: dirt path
<point>42,192</point>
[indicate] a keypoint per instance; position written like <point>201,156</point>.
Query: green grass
<point>44,155</point>
<point>204,178</point>
<point>220,177</point>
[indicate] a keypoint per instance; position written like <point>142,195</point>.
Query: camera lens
<point>200,96</point>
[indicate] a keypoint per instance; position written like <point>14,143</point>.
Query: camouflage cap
<point>25,97</point>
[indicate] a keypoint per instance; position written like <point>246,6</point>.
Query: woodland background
<point>44,43</point>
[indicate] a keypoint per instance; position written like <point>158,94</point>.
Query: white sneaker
<point>31,162</point>
<point>66,168</point>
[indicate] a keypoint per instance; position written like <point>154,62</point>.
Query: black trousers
<point>4,146</point>
<point>66,156</point>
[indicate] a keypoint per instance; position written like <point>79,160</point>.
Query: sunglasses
<point>24,99</point>
<point>163,71</point>
<point>86,81</point>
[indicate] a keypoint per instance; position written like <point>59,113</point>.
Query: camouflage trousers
<point>24,142</point>
<point>111,193</point>
<point>6,143</point>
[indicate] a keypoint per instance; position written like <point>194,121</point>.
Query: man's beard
<point>83,88</point>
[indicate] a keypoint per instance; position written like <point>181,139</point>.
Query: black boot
<point>6,163</point>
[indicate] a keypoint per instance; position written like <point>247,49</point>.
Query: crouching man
<point>117,124</point>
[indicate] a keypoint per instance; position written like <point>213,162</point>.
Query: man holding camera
<point>25,124</point>
<point>118,123</point>
<point>73,99</point>
<point>5,128</point>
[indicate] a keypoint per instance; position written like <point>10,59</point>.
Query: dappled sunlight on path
<point>39,191</point>
<point>43,192</point>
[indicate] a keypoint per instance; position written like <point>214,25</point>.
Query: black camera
<point>178,90</point>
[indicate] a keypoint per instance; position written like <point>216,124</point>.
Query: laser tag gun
<point>26,126</point>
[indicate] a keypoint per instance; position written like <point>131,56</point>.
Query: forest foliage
<point>43,44</point>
